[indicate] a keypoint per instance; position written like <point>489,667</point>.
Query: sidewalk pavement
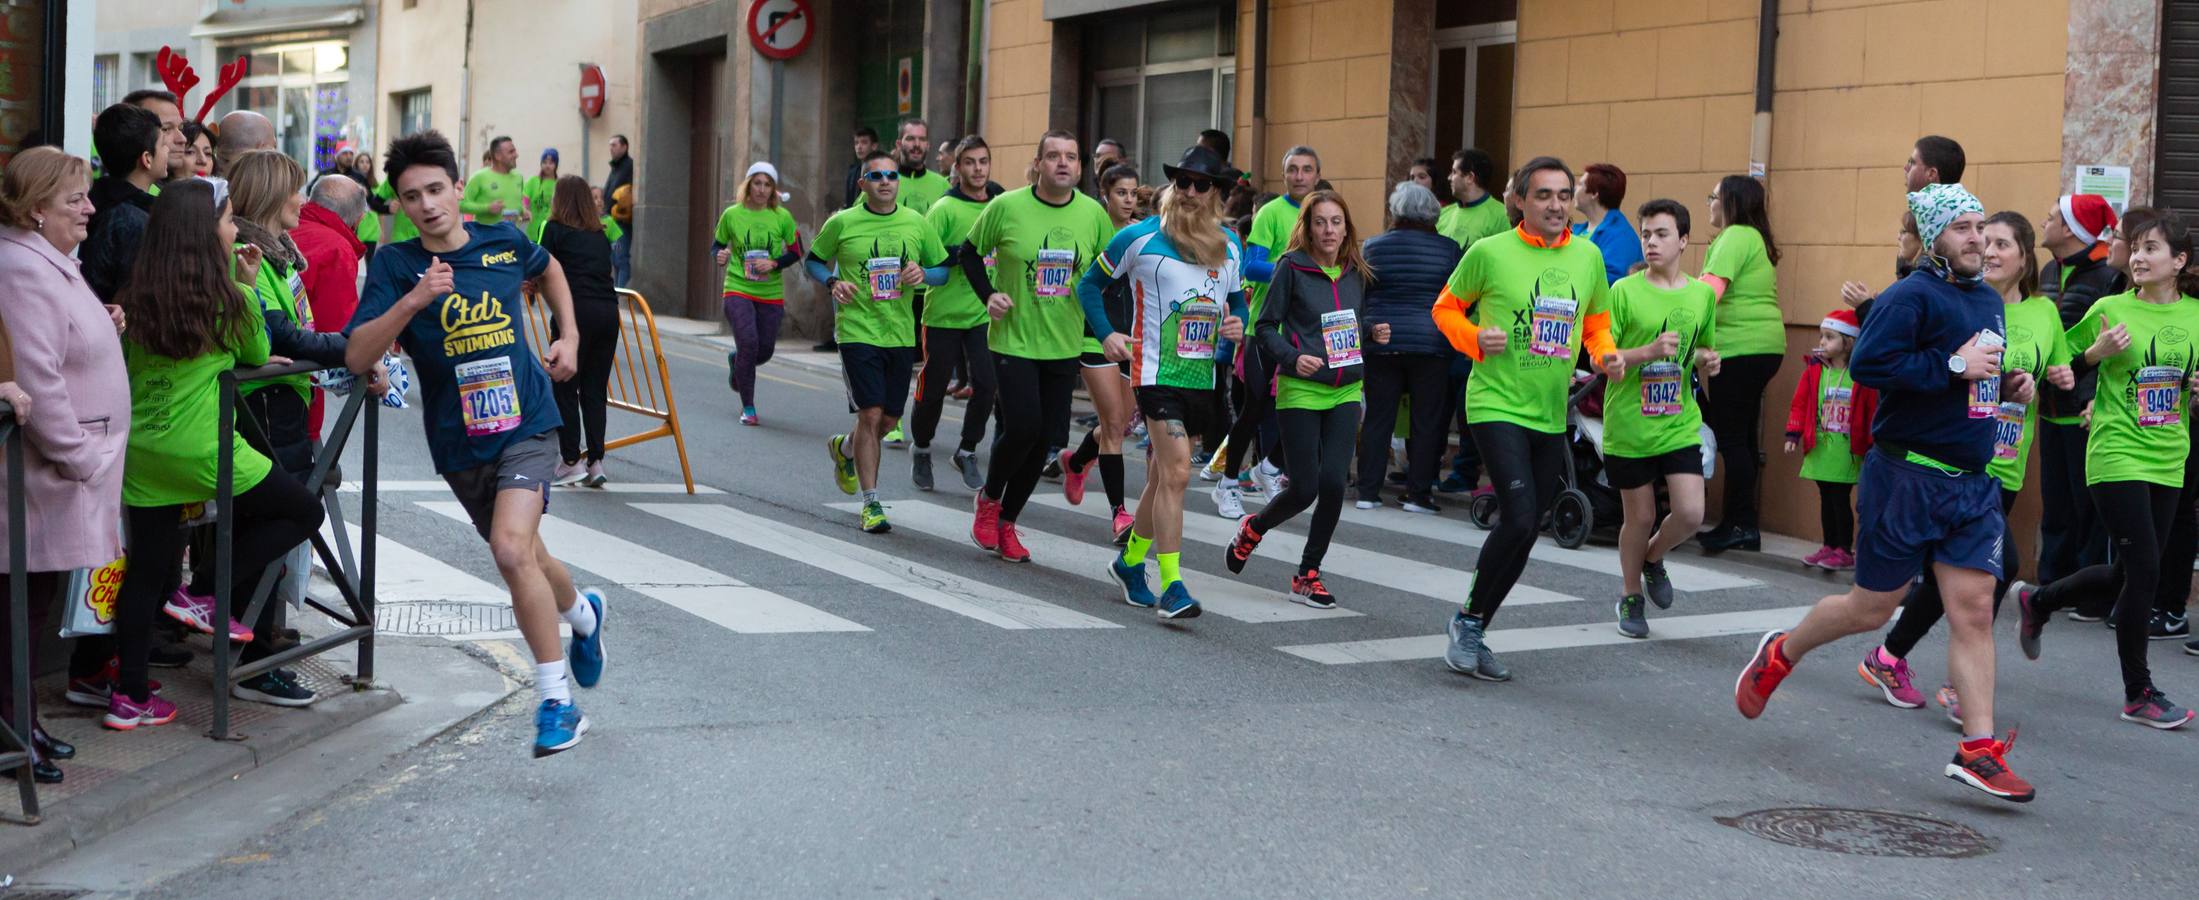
<point>1779,549</point>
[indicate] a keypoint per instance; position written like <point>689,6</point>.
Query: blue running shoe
<point>585,654</point>
<point>1176,603</point>
<point>558,726</point>
<point>1134,588</point>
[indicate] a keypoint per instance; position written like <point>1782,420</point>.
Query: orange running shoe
<point>1762,675</point>
<point>1985,767</point>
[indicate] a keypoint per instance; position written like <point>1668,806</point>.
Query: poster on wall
<point>2111,182</point>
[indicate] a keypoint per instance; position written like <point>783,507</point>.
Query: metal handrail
<point>358,594</point>
<point>18,733</point>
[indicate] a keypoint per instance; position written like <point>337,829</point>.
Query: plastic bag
<point>341,381</point>
<point>297,574</point>
<point>92,595</point>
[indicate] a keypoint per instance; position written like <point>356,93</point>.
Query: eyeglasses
<point>1194,184</point>
<point>882,175</point>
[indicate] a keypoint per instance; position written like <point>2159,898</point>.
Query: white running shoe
<point>1272,482</point>
<point>568,474</point>
<point>1229,503</point>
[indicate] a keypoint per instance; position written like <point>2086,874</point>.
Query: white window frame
<point>1470,38</point>
<point>1217,64</point>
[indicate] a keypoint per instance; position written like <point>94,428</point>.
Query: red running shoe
<point>1241,546</point>
<point>1762,675</point>
<point>1985,767</point>
<point>1072,481</point>
<point>1011,549</point>
<point>985,531</point>
<point>1309,590</point>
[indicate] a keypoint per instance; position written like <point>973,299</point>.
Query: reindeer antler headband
<point>177,74</point>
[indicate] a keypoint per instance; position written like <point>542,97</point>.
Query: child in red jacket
<point>1830,421</point>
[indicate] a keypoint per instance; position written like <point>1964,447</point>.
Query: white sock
<point>870,496</point>
<point>549,682</point>
<point>582,617</point>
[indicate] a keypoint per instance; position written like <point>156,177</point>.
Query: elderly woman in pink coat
<point>63,373</point>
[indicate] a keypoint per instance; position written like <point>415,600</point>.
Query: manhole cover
<point>1864,832</point>
<point>440,618</point>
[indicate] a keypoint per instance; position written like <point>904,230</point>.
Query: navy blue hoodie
<point>1914,327</point>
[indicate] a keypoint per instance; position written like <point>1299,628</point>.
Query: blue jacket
<point>1621,247</point>
<point>1410,268</point>
<point>1914,327</point>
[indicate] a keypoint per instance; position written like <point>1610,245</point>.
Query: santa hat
<point>1842,321</point>
<point>2087,216</point>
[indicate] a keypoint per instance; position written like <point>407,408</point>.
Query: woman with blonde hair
<point>756,242</point>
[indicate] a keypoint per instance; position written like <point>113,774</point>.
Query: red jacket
<point>332,251</point>
<point>1802,413</point>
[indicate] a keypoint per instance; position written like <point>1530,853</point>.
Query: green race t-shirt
<point>175,419</point>
<point>271,290</point>
<point>1832,458</point>
<point>490,186</point>
<point>754,237</point>
<point>611,231</point>
<point>540,193</point>
<point>868,250</point>
<point>1467,223</point>
<point>1652,410</point>
<point>2034,342</point>
<point>1748,315</point>
<point>1271,226</point>
<point>919,191</point>
<point>1542,297</point>
<point>1039,249</point>
<point>2138,430</point>
<point>401,228</point>
<point>954,304</point>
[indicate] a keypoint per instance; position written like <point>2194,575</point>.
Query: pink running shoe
<point>1891,679</point>
<point>985,529</point>
<point>1817,560</point>
<point>1072,481</point>
<point>1123,520</point>
<point>1951,702</point>
<point>198,612</point>
<point>1840,561</point>
<point>124,714</point>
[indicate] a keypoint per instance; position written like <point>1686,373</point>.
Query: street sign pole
<point>778,109</point>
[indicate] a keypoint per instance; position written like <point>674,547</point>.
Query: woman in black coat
<point>574,237</point>
<point>1413,261</point>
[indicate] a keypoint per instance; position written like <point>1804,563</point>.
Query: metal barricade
<point>15,736</point>
<point>640,382</point>
<point>357,587</point>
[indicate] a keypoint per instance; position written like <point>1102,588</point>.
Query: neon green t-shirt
<point>490,186</point>
<point>1467,223</point>
<point>401,228</point>
<point>270,290</point>
<point>1039,250</point>
<point>919,191</point>
<point>1652,410</point>
<point>611,231</point>
<point>1271,225</point>
<point>2034,343</point>
<point>1543,297</point>
<point>954,304</point>
<point>754,237</point>
<point>1748,315</point>
<point>369,229</point>
<point>868,250</point>
<point>540,192</point>
<point>174,420</point>
<point>1832,458</point>
<point>2138,430</point>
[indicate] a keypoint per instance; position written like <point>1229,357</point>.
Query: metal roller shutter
<point>2176,147</point>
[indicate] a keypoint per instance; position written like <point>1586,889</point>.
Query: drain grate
<point>36,892</point>
<point>443,618</point>
<point>1863,832</point>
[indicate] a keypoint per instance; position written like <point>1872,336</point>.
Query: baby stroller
<point>1586,503</point>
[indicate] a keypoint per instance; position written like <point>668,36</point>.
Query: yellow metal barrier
<point>640,382</point>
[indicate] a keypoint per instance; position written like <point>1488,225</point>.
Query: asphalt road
<point>936,752</point>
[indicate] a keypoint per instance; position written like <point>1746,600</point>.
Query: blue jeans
<point>622,257</point>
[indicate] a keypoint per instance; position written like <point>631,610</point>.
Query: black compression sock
<point>1110,466</point>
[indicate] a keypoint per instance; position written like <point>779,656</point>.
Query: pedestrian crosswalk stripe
<point>614,487</point>
<point>1437,582</point>
<point>922,583</point>
<point>1553,637</point>
<point>706,594</point>
<point>405,575</point>
<point>1604,561</point>
<point>1222,597</point>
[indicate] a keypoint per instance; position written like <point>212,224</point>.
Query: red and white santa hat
<point>2087,216</point>
<point>1842,321</point>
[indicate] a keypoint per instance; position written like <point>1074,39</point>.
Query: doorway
<point>705,150</point>
<point>1471,104</point>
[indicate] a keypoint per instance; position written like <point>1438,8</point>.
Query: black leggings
<point>1426,379</point>
<point>274,516</point>
<point>1258,405</point>
<point>1735,412</point>
<point>1835,514</point>
<point>1218,419</point>
<point>1034,416</point>
<point>2181,546</point>
<point>583,398</point>
<point>947,351</point>
<point>1526,467</point>
<point>1317,456</point>
<point>1924,607</point>
<point>2137,516</point>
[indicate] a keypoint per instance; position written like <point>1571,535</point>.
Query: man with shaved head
<point>240,132</point>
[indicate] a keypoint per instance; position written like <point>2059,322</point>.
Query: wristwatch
<point>1956,364</point>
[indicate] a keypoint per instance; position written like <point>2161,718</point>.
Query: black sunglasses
<point>882,175</point>
<point>1194,184</point>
